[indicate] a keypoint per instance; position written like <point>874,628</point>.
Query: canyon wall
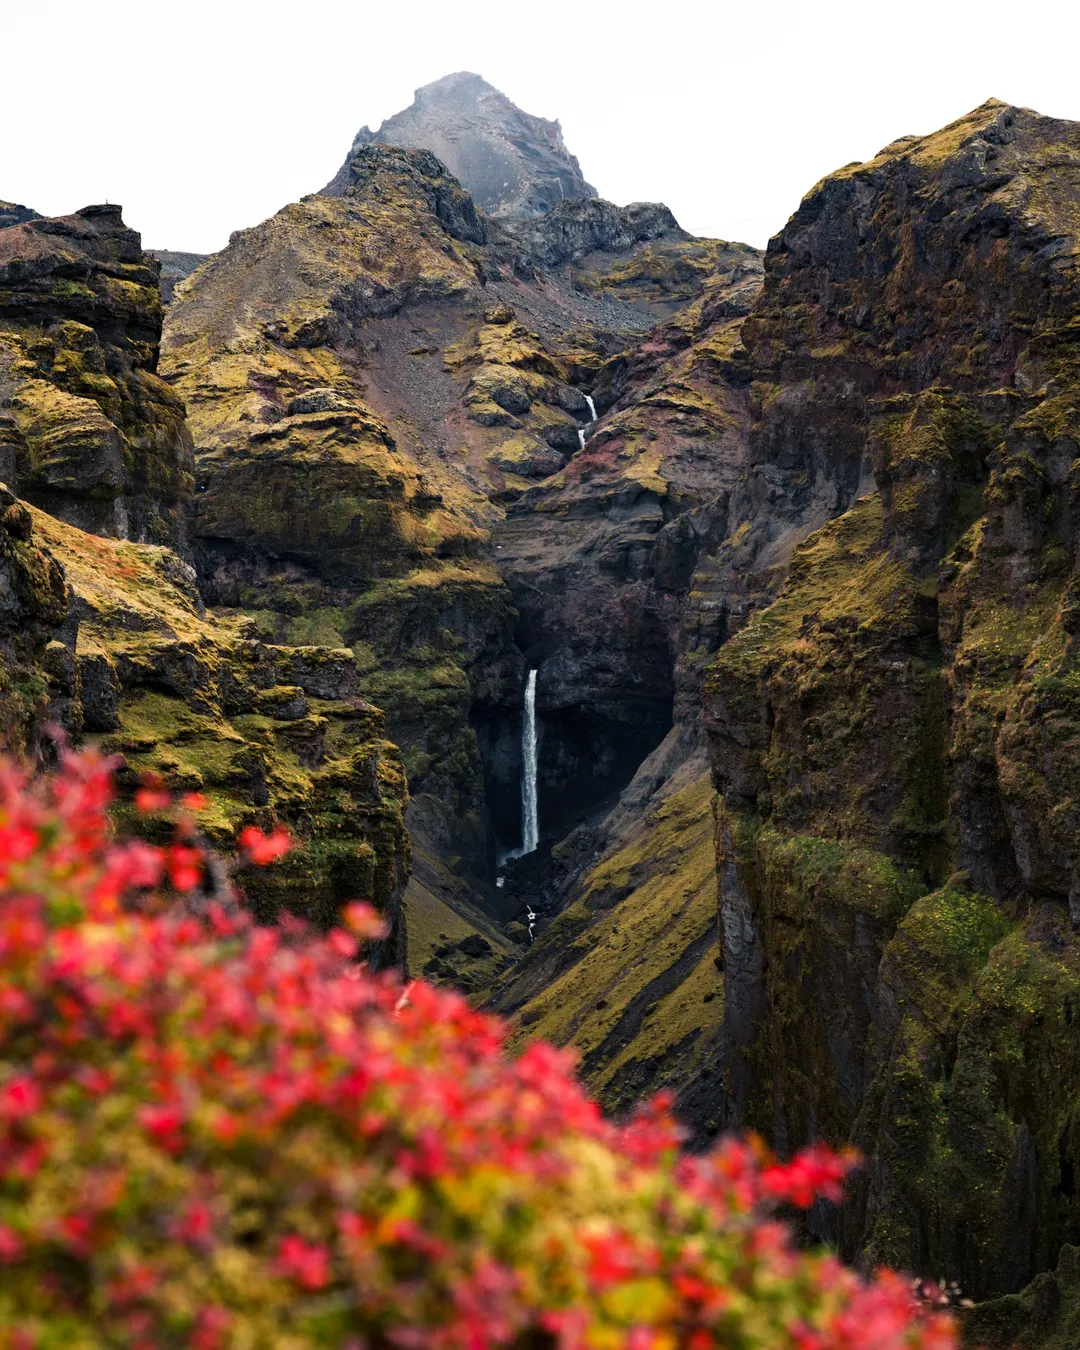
<point>894,740</point>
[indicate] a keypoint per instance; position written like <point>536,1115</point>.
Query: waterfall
<point>530,800</point>
<point>530,805</point>
<point>589,423</point>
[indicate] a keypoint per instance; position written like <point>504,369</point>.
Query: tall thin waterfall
<point>530,802</point>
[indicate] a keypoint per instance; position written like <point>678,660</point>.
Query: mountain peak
<point>511,162</point>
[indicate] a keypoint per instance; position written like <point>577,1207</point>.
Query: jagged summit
<point>512,163</point>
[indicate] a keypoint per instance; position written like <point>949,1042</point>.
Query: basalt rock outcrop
<point>11,213</point>
<point>895,739</point>
<point>87,429</point>
<point>511,163</point>
<point>109,638</point>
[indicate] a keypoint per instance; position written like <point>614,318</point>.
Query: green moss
<point>808,871</point>
<point>72,290</point>
<point>639,945</point>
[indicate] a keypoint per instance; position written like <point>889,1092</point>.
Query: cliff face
<point>88,431</point>
<point>11,213</point>
<point>511,163</point>
<point>599,557</point>
<point>888,573</point>
<point>895,738</point>
<point>109,637</point>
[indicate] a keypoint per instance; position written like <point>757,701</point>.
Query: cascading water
<point>530,802</point>
<point>530,799</point>
<point>592,418</point>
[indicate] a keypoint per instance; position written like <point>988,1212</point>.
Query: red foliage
<point>214,1134</point>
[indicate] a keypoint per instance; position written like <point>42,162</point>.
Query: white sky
<point>205,116</point>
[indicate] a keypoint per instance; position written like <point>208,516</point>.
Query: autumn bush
<point>214,1134</point>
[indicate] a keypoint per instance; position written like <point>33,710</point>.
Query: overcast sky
<point>206,116</point>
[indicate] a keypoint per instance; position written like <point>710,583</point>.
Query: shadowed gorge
<point>778,552</point>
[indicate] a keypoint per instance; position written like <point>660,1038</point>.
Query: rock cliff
<point>882,608</point>
<point>893,739</point>
<point>88,431</point>
<point>373,380</point>
<point>11,213</point>
<point>102,628</point>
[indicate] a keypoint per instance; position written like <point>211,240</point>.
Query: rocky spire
<point>512,163</point>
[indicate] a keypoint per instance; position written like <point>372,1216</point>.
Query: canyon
<point>677,642</point>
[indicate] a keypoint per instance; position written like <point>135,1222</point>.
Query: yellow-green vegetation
<point>667,275</point>
<point>291,453</point>
<point>35,604</point>
<point>266,733</point>
<point>823,659</point>
<point>519,396</point>
<point>90,432</point>
<point>639,996</point>
<point>448,937</point>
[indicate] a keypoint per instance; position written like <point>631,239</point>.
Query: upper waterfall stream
<point>589,423</point>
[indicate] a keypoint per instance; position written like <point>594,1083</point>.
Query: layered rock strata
<point>109,637</point>
<point>372,377</point>
<point>87,430</point>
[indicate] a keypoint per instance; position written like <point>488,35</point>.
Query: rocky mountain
<point>894,739</point>
<point>418,365</point>
<point>511,163</point>
<point>790,543</point>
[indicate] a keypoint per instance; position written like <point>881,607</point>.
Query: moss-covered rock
<point>894,737</point>
<point>267,733</point>
<point>627,973</point>
<point>87,430</point>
